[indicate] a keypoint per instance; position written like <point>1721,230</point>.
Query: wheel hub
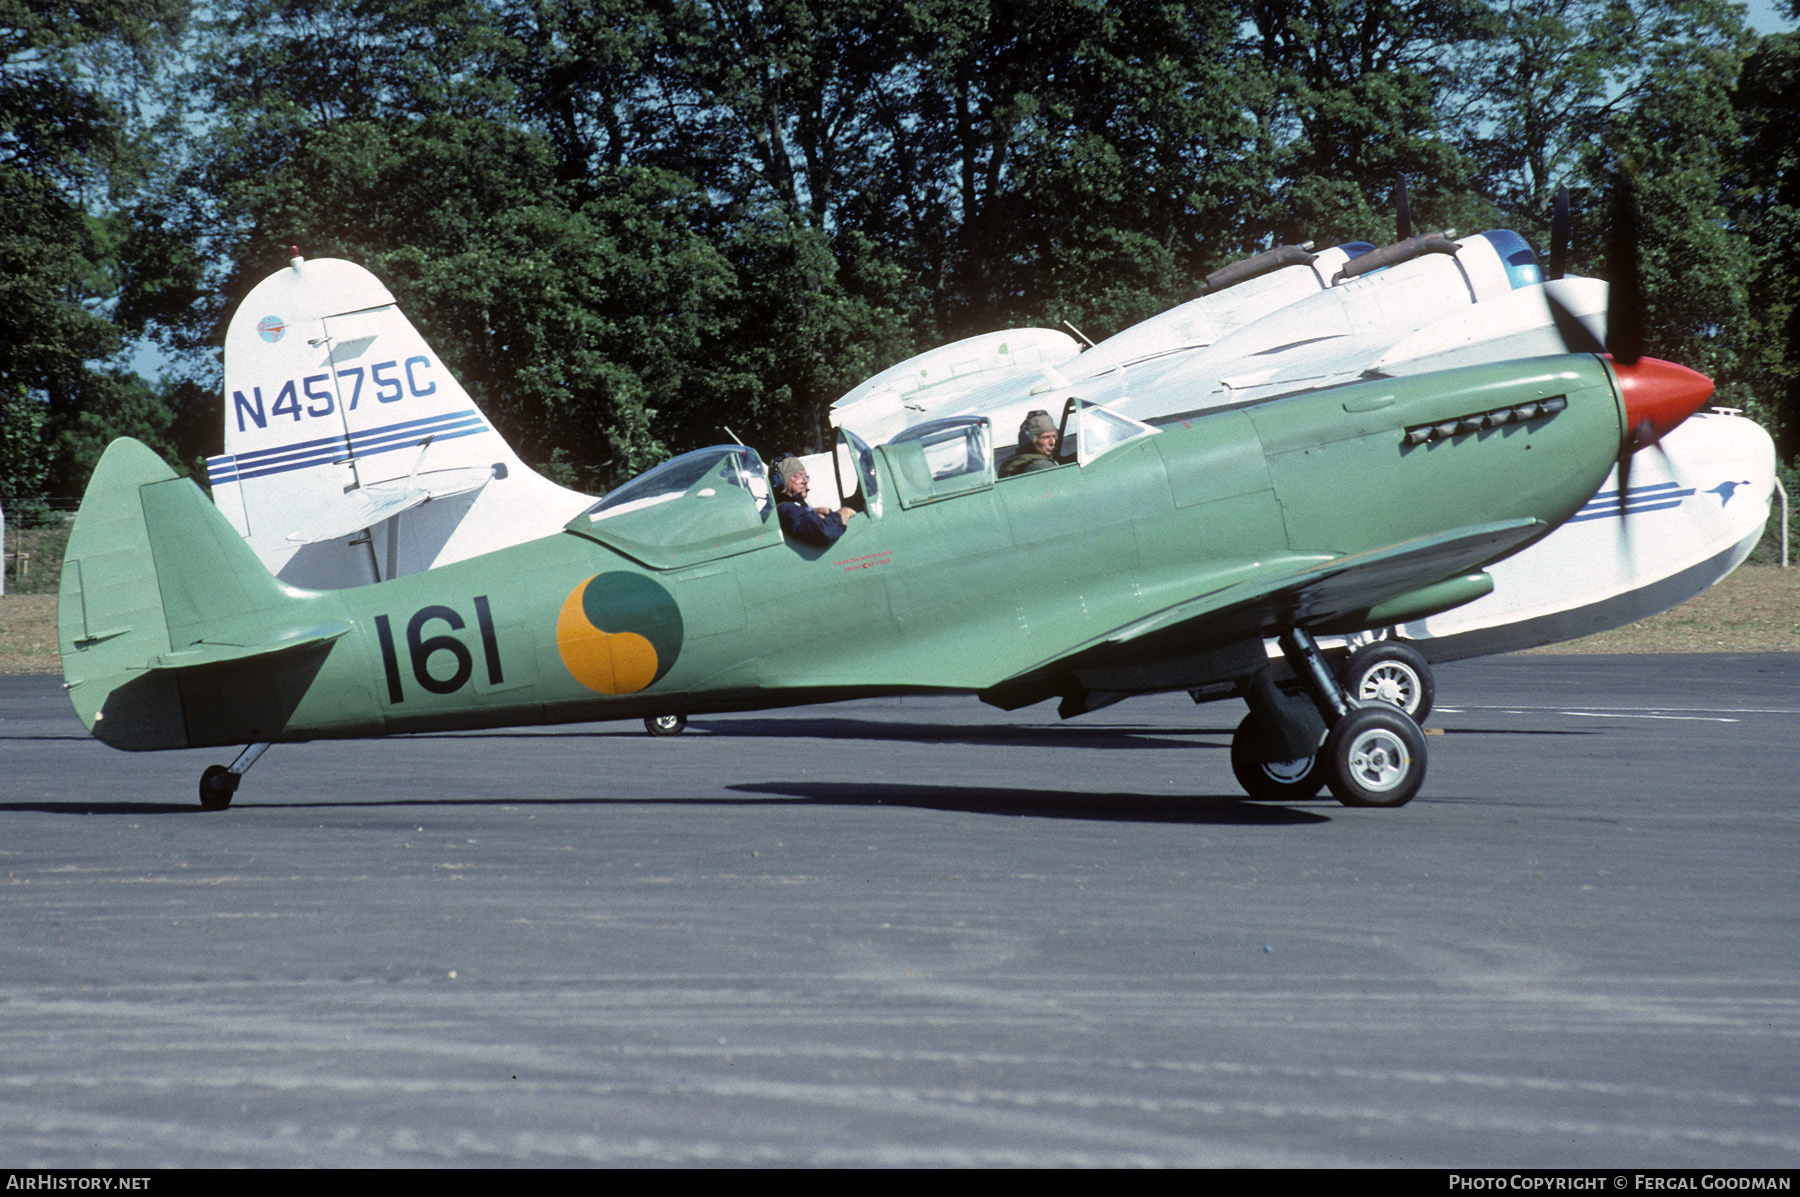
<point>1378,759</point>
<point>1391,684</point>
<point>1288,771</point>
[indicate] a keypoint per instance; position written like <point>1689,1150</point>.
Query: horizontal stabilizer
<point>368,506</point>
<point>203,652</point>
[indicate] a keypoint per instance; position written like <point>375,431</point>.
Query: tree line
<point>626,224</point>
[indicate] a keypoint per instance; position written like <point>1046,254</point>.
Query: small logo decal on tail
<point>270,328</point>
<point>619,633</point>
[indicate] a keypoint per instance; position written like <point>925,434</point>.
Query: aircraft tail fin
<point>156,584</point>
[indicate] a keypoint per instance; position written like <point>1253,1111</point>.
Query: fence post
<point>1784,520</point>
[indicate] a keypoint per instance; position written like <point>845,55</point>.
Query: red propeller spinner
<point>1658,395</point>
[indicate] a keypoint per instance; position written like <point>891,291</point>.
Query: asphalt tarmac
<point>920,932</point>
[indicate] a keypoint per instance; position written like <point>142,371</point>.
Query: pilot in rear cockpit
<point>799,519</point>
<point>1037,446</point>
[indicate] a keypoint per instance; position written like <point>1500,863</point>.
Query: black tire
<point>217,786</point>
<point>1393,672</point>
<point>1271,781</point>
<point>665,725</point>
<point>1374,756</point>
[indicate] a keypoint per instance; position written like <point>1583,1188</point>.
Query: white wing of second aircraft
<point>1004,371</point>
<point>1516,325</point>
<point>1295,328</point>
<point>352,454</point>
<point>908,392</point>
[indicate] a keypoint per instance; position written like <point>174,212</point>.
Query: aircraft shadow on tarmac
<point>987,735</point>
<point>100,808</point>
<point>1016,803</point>
<point>1040,804</point>
<point>992,735</point>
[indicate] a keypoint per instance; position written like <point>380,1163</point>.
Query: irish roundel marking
<point>270,328</point>
<point>618,632</point>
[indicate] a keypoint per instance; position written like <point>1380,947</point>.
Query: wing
<point>1214,631</point>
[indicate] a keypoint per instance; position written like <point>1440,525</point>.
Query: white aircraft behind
<point>1692,514</point>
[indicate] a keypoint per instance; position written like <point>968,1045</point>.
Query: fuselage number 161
<point>420,650</point>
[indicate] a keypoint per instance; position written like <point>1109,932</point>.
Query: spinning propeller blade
<point>1625,304</point>
<point>1559,233</point>
<point>1402,209</point>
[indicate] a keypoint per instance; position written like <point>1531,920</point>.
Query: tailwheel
<point>1272,781</point>
<point>665,725</point>
<point>217,785</point>
<point>1374,756</point>
<point>1393,672</point>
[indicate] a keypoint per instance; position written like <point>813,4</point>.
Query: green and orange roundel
<point>618,633</point>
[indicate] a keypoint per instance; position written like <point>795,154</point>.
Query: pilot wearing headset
<point>1037,446</point>
<point>807,524</point>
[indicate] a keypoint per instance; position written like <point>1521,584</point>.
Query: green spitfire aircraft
<point>1149,559</point>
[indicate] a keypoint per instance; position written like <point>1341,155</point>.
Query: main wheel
<point>1393,672</point>
<point>1374,756</point>
<point>1271,781</point>
<point>217,785</point>
<point>665,725</point>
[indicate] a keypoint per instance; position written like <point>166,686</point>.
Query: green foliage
<point>48,333</point>
<point>39,536</point>
<point>1768,549</point>
<point>630,224</point>
<point>24,457</point>
<point>1672,143</point>
<point>1768,211</point>
<point>73,151</point>
<point>118,404</point>
<point>1359,92</point>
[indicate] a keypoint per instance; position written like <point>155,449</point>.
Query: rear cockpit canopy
<point>941,458</point>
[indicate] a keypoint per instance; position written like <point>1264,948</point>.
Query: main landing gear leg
<point>219,783</point>
<point>1372,755</point>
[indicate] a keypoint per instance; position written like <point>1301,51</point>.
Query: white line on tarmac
<point>1590,714</point>
<point>1625,712</point>
<point>1678,718</point>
